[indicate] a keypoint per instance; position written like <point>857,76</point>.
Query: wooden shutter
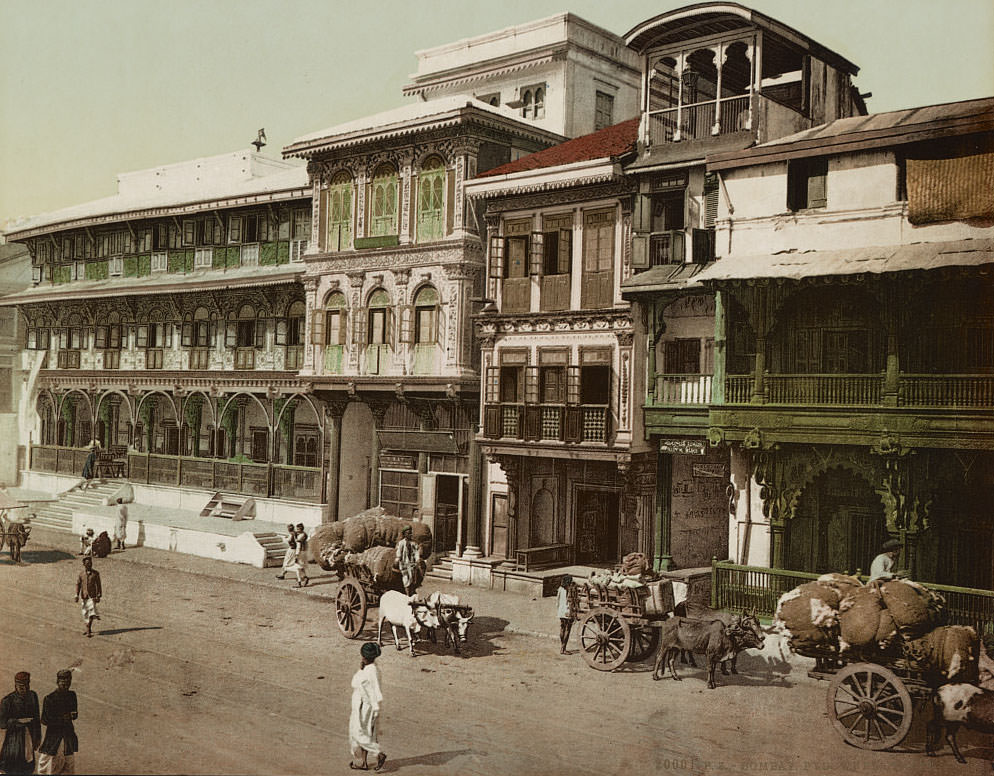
<point>450,200</point>
<point>817,183</point>
<point>231,334</point>
<point>496,256</point>
<point>532,430</point>
<point>235,229</point>
<point>640,251</point>
<point>187,338</point>
<point>703,246</point>
<point>388,326</point>
<point>531,385</point>
<point>260,332</point>
<point>710,200</point>
<point>281,331</point>
<point>536,254</point>
<point>99,338</point>
<point>492,421</point>
<point>492,387</point>
<point>142,337</point>
<point>564,259</point>
<point>317,326</point>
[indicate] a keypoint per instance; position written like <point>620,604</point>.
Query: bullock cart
<point>870,702</point>
<point>617,625</point>
<point>361,589</point>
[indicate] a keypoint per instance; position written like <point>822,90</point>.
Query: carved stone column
<point>379,410</point>
<point>476,492</point>
<point>334,412</point>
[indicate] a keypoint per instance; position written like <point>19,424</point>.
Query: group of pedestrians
<point>24,749</point>
<point>295,559</point>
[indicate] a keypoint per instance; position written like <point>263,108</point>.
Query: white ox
<point>453,618</point>
<point>399,609</point>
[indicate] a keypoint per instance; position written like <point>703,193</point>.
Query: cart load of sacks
<point>366,539</point>
<point>635,575</point>
<point>894,618</point>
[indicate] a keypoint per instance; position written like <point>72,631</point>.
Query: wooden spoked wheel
<point>645,640</point>
<point>869,706</point>
<point>350,608</point>
<point>605,639</point>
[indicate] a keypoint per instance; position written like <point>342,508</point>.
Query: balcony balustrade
<point>683,389</point>
<point>697,121</point>
<point>302,483</point>
<point>862,390</point>
<point>946,391</point>
<point>548,422</point>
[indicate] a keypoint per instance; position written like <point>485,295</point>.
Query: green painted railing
<point>740,588</point>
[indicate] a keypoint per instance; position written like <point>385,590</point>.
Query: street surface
<point>201,674</point>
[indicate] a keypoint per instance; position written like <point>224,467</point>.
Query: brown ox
<point>714,639</point>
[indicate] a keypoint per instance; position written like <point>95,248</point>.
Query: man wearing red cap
<point>19,717</point>
<point>88,593</point>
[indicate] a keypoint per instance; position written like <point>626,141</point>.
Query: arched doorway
<point>839,525</point>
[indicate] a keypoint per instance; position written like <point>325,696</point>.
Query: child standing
<point>567,604</point>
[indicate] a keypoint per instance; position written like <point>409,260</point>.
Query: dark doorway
<point>446,512</point>
<point>839,525</point>
<point>498,526</point>
<point>596,526</point>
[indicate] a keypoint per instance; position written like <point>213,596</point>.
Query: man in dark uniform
<point>19,717</point>
<point>58,750</point>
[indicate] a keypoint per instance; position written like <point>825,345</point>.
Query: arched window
<point>379,318</point>
<point>335,317</point>
<point>540,103</point>
<point>426,316</point>
<point>384,192</point>
<point>340,213</point>
<point>533,102</point>
<point>431,200</point>
<point>335,314</point>
<point>245,332</point>
<point>107,338</point>
<point>527,107</point>
<point>154,335</point>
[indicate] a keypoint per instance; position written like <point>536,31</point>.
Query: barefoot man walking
<point>88,593</point>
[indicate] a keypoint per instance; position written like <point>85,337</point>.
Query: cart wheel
<point>869,706</point>
<point>350,608</point>
<point>645,640</point>
<point>605,639</point>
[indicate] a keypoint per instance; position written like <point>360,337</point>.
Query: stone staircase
<point>442,568</point>
<point>230,506</point>
<point>275,546</point>
<point>57,515</point>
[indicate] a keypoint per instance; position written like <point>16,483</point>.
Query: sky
<point>92,89</point>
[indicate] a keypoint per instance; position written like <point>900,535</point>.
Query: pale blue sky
<point>91,89</point>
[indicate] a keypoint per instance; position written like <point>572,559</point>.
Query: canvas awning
<point>419,441</point>
<point>853,261</point>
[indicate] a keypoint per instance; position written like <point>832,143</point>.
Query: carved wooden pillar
<point>761,326</point>
<point>892,373</point>
<point>720,341</point>
<point>379,410</point>
<point>334,411</point>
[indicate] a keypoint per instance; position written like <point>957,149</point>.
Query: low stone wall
<point>237,549</point>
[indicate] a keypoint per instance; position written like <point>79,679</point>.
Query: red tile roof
<point>611,141</point>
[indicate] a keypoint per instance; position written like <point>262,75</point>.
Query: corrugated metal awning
<point>853,261</point>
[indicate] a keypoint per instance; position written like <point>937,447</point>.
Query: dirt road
<point>189,673</point>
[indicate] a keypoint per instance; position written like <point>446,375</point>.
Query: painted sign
<point>683,446</point>
<point>392,461</point>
